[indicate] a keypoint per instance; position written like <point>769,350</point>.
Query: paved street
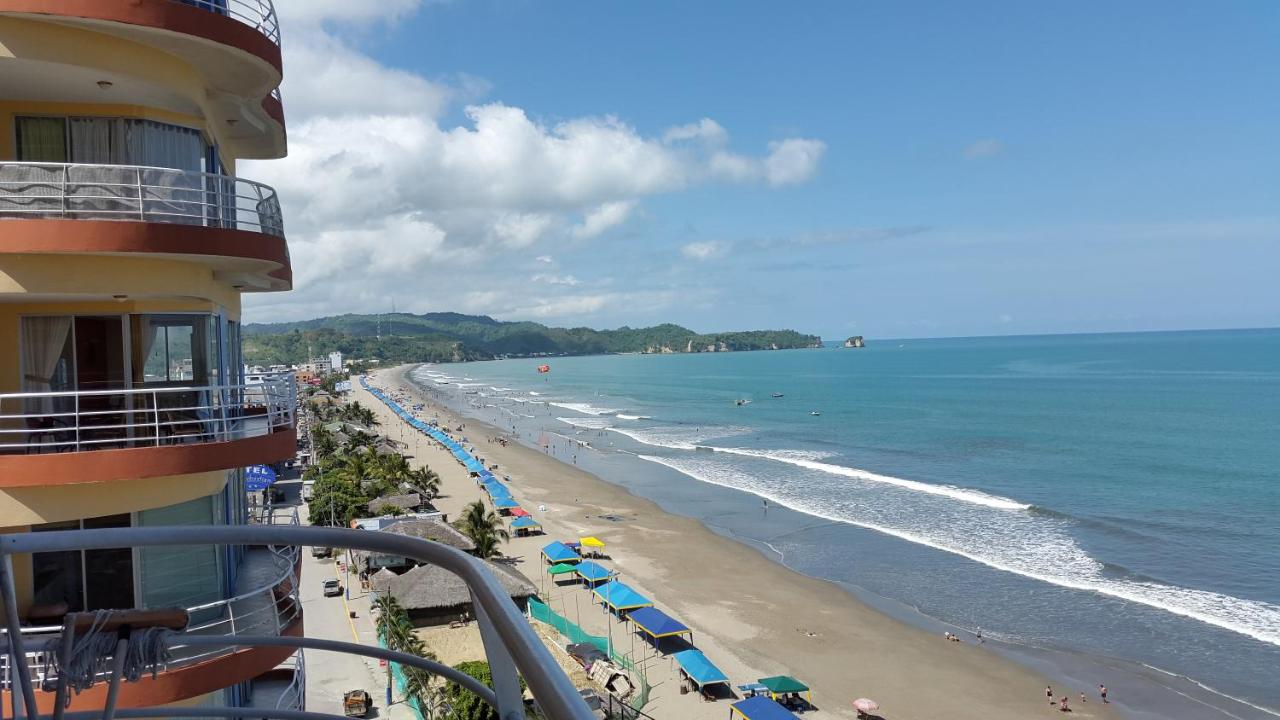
<point>329,675</point>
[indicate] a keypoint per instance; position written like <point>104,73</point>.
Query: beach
<point>752,617</point>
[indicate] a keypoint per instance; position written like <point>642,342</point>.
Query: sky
<point>904,169</point>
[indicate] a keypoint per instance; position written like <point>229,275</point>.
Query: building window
<point>84,579</point>
<point>110,141</point>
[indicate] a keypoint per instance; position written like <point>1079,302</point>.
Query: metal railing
<point>137,193</point>
<point>294,696</point>
<point>257,14</point>
<point>267,609</point>
<point>77,421</point>
<point>512,648</point>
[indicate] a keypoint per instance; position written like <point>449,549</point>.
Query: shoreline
<point>754,616</point>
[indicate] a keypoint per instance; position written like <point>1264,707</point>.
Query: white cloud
<point>383,198</point>
<point>603,217</point>
<point>704,250</point>
<point>988,147</point>
<point>569,280</point>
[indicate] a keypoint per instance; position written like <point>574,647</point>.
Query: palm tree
<point>486,547</point>
<point>477,520</point>
<point>357,468</point>
<point>393,623</point>
<point>424,481</point>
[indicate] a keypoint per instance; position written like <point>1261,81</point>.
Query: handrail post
<point>77,408</point>
<point>142,215</point>
<point>502,668</point>
<point>155,414</point>
<point>66,180</point>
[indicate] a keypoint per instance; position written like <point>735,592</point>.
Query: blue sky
<point>947,169</point>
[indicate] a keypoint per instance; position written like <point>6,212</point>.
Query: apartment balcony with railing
<point>265,603</point>
<point>49,438</point>
<point>513,650</point>
<point>232,224</point>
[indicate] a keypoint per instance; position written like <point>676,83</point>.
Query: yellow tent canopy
<point>591,541</point>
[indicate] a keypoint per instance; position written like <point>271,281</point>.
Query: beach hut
<point>657,624</point>
<point>760,708</point>
<point>525,525</point>
<point>618,597</point>
<point>593,572</point>
<point>432,595</point>
<point>699,670</point>
<point>557,552</point>
<point>785,685</point>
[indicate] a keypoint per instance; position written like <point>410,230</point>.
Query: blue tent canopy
<point>523,523</point>
<point>699,668</point>
<point>593,572</point>
<point>657,623</point>
<point>558,552</point>
<point>761,708</point>
<point>619,596</point>
<point>505,503</point>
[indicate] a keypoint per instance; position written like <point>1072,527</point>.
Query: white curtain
<point>92,141</point>
<point>43,339</point>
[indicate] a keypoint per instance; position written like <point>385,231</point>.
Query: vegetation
<point>349,473</point>
<point>466,705</point>
<point>451,337</point>
<point>396,631</point>
<point>484,528</point>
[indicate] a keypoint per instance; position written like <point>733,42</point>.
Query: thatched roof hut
<point>433,595</point>
<point>405,502</point>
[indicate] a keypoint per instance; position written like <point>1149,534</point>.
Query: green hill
<point>452,337</point>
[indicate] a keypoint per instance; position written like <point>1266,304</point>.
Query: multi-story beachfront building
<point>126,243</point>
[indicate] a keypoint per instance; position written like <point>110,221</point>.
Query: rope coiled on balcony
<point>93,651</point>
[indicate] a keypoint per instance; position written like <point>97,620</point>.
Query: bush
<point>466,704</point>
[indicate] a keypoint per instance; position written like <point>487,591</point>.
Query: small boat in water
<point>777,395</point>
<point>742,401</point>
<point>815,413</point>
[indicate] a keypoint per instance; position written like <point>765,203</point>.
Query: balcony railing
<point>140,194</point>
<point>257,14</point>
<point>511,647</point>
<point>267,609</point>
<point>149,417</point>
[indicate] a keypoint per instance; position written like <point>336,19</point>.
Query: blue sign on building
<point>258,477</point>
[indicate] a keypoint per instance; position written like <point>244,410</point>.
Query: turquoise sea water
<point>1104,506</point>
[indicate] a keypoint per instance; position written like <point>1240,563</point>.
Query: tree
<point>466,705</point>
<point>486,547</point>
<point>480,522</point>
<point>336,501</point>
<point>425,482</point>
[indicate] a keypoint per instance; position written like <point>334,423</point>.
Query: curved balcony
<point>151,210</point>
<point>257,14</point>
<point>56,438</point>
<point>266,604</point>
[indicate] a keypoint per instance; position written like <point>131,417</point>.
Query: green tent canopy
<point>561,569</point>
<point>782,684</point>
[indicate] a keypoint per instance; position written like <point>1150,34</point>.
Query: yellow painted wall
<point>153,286</point>
<point>35,505</point>
<point>63,45</point>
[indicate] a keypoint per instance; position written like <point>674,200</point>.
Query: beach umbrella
<point>865,706</point>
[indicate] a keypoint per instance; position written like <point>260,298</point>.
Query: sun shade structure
<point>561,569</point>
<point>519,512</point>
<point>593,572</point>
<point>701,670</point>
<point>783,684</point>
<point>558,552</point>
<point>591,542</point>
<point>657,624</point>
<point>505,503</point>
<point>759,708</point>
<point>524,523</point>
<point>619,597</point>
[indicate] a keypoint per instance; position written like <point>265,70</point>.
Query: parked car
<point>332,588</point>
<point>318,551</point>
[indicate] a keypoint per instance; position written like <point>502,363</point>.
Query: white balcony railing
<point>140,194</point>
<point>257,14</point>
<point>149,417</point>
<point>266,609</point>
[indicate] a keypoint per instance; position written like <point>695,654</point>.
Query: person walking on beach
<point>1102,690</point>
<point>1048,691</point>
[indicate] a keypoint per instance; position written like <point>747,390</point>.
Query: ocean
<point>1106,508</point>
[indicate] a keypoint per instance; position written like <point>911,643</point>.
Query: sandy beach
<point>751,616</point>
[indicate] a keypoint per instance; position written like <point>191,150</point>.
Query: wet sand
<point>751,616</point>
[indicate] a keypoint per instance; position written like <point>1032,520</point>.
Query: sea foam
<point>584,408</point>
<point>1032,545</point>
